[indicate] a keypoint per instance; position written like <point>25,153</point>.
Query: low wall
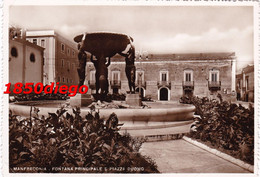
<point>168,114</point>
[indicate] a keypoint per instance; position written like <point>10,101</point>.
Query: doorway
<point>164,94</point>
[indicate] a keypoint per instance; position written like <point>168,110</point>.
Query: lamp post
<point>140,74</point>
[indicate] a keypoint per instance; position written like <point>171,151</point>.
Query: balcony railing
<point>216,85</point>
<point>92,84</point>
<point>115,83</point>
<point>188,85</point>
<point>164,84</point>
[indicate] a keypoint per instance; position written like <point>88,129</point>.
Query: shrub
<point>225,125</point>
<point>109,97</point>
<point>186,100</point>
<point>66,140</point>
<point>117,96</point>
<point>147,98</point>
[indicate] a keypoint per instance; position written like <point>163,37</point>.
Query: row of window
<point>64,80</point>
<point>116,75</point>
<point>68,64</point>
<point>188,75</point>
<point>68,50</point>
<point>14,53</point>
<point>42,43</point>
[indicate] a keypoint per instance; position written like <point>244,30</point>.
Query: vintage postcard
<point>129,87</point>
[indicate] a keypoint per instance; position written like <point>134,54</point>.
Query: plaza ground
<point>179,156</point>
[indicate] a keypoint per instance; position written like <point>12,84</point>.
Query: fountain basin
<point>159,111</point>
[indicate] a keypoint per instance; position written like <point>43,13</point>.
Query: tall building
<point>25,60</point>
<point>170,76</point>
<point>60,57</point>
<point>245,84</point>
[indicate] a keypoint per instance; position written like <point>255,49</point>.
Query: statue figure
<point>130,68</point>
<point>104,45</point>
<point>82,57</point>
<point>101,73</point>
<point>103,78</point>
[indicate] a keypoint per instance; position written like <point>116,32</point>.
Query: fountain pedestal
<point>133,100</point>
<point>81,100</point>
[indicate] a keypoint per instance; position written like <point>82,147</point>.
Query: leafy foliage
<point>62,139</point>
<point>110,97</point>
<point>225,125</point>
<point>186,99</point>
<point>147,98</point>
<point>117,96</point>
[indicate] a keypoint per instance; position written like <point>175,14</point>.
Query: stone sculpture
<point>130,68</point>
<point>101,74</point>
<point>104,45</point>
<point>82,57</point>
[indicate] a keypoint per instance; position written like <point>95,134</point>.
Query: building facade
<point>60,57</point>
<point>169,77</point>
<point>245,84</point>
<point>25,62</point>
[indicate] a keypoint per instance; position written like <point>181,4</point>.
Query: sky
<point>155,29</point>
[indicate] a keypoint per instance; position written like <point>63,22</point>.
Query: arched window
<point>32,57</point>
<point>62,48</point>
<point>14,52</point>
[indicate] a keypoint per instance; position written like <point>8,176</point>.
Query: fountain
<point>102,45</point>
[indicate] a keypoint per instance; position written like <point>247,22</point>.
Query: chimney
<point>23,34</point>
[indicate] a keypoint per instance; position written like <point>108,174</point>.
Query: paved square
<point>179,156</point>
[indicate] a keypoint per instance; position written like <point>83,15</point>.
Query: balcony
<point>164,84</point>
<point>141,83</point>
<point>115,83</point>
<point>92,84</point>
<point>214,85</point>
<point>188,85</point>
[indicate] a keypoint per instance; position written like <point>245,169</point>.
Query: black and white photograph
<point>130,89</point>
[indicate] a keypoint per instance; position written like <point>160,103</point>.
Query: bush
<point>147,98</point>
<point>117,96</point>
<point>109,97</point>
<point>65,140</point>
<point>186,100</point>
<point>226,126</point>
